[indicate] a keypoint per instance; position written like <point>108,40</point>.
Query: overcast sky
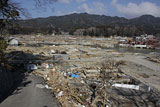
<point>124,8</point>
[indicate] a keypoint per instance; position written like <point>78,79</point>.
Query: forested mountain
<point>110,25</point>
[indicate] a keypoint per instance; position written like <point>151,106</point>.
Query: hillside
<point>144,24</point>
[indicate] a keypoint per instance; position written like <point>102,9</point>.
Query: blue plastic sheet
<point>75,76</point>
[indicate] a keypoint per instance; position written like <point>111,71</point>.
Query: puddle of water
<point>135,50</point>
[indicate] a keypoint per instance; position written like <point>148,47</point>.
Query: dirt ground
<point>79,80</point>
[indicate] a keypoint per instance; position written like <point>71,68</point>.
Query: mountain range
<point>144,24</point>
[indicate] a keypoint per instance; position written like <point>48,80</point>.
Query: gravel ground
<point>146,71</point>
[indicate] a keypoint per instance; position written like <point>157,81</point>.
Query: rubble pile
<point>67,93</point>
<point>86,86</point>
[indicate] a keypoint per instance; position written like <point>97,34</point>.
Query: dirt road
<point>146,71</point>
<point>29,95</point>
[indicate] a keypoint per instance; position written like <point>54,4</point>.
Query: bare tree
<point>10,10</point>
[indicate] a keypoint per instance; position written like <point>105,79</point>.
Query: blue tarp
<point>75,76</point>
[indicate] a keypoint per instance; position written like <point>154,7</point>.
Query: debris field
<point>81,71</point>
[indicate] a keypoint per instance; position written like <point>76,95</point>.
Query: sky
<point>122,8</point>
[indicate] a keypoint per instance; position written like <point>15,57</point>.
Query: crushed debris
<point>80,75</point>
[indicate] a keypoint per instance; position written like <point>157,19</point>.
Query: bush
<point>3,46</point>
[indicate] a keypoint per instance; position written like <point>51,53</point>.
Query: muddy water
<point>135,50</point>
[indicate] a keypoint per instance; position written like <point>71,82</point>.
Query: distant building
<point>143,41</point>
<point>140,46</point>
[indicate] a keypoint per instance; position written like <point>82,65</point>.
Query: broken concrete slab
<point>60,57</point>
<point>13,42</point>
<point>93,71</point>
<point>136,87</point>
